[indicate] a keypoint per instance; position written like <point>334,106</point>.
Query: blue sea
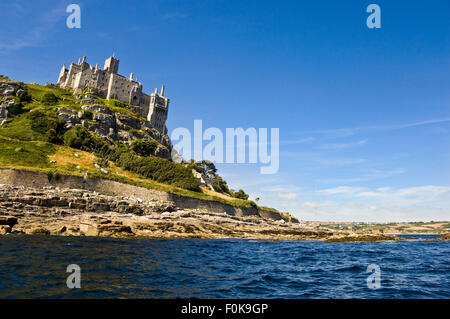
<point>35,267</point>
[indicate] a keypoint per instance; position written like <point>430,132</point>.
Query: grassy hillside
<point>35,139</point>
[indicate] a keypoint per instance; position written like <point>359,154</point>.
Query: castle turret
<point>62,74</point>
<point>158,110</point>
<point>112,65</point>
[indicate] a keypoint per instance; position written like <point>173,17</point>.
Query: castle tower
<point>158,110</point>
<point>112,65</point>
<point>62,75</point>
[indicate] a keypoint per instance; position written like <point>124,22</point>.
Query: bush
<point>221,186</point>
<point>240,194</point>
<point>47,124</point>
<point>23,96</point>
<point>79,137</point>
<point>158,169</point>
<point>144,147</point>
<point>49,99</point>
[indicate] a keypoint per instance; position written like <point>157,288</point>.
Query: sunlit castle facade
<point>112,85</point>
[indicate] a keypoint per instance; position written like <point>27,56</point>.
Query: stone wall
<point>25,178</point>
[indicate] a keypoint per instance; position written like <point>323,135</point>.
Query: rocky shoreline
<point>75,212</point>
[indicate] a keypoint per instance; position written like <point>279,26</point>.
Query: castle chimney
<point>156,90</point>
<point>79,60</point>
<point>131,76</point>
<point>162,90</point>
<point>84,59</point>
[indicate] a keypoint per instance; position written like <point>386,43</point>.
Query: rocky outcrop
<point>97,108</point>
<point>8,89</point>
<point>70,116</point>
<point>162,151</point>
<point>57,211</point>
<point>126,122</point>
<point>101,120</point>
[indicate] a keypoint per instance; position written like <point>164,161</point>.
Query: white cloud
<point>288,196</point>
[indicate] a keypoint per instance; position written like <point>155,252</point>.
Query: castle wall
<point>121,88</point>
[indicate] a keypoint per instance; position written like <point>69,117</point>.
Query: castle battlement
<point>111,85</point>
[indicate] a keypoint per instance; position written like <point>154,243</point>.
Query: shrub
<point>240,194</point>
<point>158,169</point>
<point>24,96</point>
<point>79,137</point>
<point>49,99</point>
<point>144,147</point>
<point>221,186</point>
<point>47,124</point>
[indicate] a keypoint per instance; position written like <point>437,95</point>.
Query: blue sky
<point>364,114</point>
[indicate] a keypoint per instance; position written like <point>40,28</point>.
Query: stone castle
<point>111,85</point>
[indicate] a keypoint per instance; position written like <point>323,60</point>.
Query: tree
<point>240,194</point>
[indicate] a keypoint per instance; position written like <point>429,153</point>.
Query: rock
<point>38,231</point>
<point>5,229</point>
<point>126,122</point>
<point>88,229</point>
<point>445,236</point>
<point>125,136</point>
<point>162,151</point>
<point>104,170</point>
<point>71,119</point>
<point>97,108</point>
<point>106,122</point>
<point>65,110</point>
<point>8,220</point>
<point>9,88</point>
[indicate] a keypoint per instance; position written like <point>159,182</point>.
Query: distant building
<point>112,85</point>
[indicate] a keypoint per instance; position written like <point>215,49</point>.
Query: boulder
<point>70,118</point>
<point>126,122</point>
<point>8,220</point>
<point>107,121</point>
<point>97,108</point>
<point>162,151</point>
<point>5,229</point>
<point>9,88</point>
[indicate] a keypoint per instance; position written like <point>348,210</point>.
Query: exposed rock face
<point>9,88</point>
<point>101,120</point>
<point>125,122</point>
<point>56,211</point>
<point>7,103</point>
<point>162,151</point>
<point>97,108</point>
